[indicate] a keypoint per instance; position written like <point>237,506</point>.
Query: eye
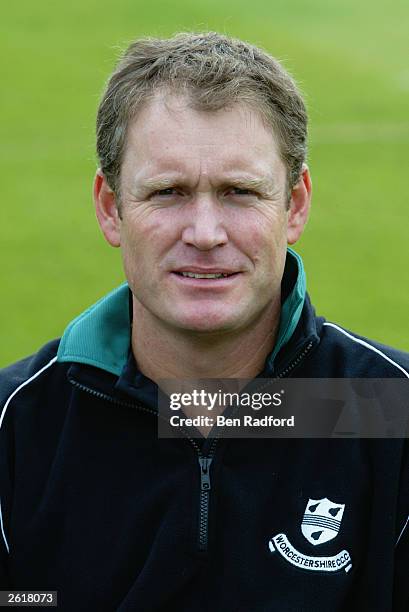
<point>169,191</point>
<point>240,191</point>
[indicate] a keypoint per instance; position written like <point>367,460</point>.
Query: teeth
<point>194,275</point>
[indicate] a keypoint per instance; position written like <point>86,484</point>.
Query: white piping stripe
<point>403,529</point>
<point>369,346</point>
<point>26,382</point>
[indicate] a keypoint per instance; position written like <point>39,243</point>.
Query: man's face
<point>204,219</point>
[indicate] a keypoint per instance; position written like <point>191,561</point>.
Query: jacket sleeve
<point>12,380</point>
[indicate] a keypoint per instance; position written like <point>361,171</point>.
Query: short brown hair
<point>215,72</point>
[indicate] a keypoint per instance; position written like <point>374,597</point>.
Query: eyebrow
<point>258,184</point>
<point>158,183</point>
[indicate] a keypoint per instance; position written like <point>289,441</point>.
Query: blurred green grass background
<point>351,60</point>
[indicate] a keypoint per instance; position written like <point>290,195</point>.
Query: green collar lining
<point>100,336</point>
<point>291,309</point>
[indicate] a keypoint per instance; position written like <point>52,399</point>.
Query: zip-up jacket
<point>98,508</point>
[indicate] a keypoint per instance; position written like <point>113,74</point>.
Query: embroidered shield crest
<point>322,520</point>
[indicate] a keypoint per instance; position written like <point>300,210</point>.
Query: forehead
<point>168,131</point>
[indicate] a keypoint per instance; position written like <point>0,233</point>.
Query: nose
<point>204,225</point>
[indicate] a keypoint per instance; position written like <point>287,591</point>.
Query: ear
<point>299,206</point>
<point>107,210</point>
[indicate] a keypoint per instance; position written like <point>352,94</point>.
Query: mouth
<point>210,275</point>
<point>205,280</point>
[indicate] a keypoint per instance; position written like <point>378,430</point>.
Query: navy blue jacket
<point>95,506</point>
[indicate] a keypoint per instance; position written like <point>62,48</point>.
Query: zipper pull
<point>205,472</point>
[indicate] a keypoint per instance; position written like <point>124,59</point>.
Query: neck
<point>163,352</point>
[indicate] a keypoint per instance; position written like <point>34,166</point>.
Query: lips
<point>205,275</point>
<point>204,272</point>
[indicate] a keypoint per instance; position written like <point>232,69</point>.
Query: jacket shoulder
<point>356,355</point>
<point>24,370</point>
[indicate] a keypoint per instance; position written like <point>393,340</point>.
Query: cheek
<point>135,254</point>
<point>144,245</point>
<point>261,240</point>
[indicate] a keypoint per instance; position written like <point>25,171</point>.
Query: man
<point>202,184</point>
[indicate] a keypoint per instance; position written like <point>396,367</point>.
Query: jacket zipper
<point>205,461</point>
<point>205,486</point>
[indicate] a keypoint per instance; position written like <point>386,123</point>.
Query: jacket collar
<point>100,336</point>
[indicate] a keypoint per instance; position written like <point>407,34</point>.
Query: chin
<point>206,323</point>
